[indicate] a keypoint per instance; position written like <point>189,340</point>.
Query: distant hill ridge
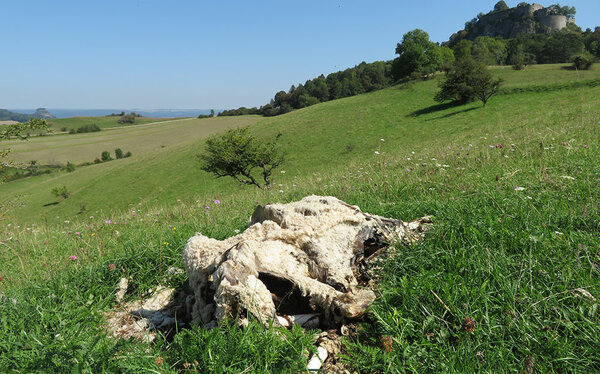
<point>508,22</point>
<point>7,115</point>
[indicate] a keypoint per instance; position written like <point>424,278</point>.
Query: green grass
<point>515,239</point>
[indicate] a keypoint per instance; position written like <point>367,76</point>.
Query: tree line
<point>363,78</point>
<point>419,57</point>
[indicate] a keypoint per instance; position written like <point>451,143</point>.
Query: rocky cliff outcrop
<point>42,113</point>
<point>523,19</point>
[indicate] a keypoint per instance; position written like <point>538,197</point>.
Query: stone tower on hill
<point>523,19</point>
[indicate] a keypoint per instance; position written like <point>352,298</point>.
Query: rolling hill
<point>513,188</point>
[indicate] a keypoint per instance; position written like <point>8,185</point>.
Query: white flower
<point>517,188</point>
<point>376,152</point>
<point>280,191</point>
<point>236,231</point>
<point>567,177</point>
<point>283,172</point>
<point>382,139</point>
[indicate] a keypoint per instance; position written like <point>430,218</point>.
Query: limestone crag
<point>523,19</point>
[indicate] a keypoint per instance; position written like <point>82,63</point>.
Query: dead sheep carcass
<point>304,262</point>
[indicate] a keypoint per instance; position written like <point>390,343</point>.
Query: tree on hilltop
<point>500,6</point>
<point>418,54</point>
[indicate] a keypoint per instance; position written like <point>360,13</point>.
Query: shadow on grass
<point>50,204</point>
<point>434,108</point>
<point>458,112</point>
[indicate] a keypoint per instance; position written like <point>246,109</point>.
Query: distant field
<point>103,122</point>
<point>544,74</point>
<point>139,139</point>
<point>8,122</point>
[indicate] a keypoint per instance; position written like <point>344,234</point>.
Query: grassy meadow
<point>507,280</point>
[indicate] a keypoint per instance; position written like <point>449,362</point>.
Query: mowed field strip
<point>138,139</point>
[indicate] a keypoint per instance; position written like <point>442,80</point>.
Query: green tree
<point>20,131</point>
<point>417,54</point>
<point>239,155</point>
<point>106,156</point>
<point>500,6</point>
<point>467,80</point>
<point>118,153</point>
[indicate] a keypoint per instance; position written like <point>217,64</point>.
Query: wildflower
<point>499,146</point>
<point>72,257</point>
<point>407,169</point>
<point>69,232</point>
<point>282,172</point>
<point>517,188</point>
<point>236,231</point>
<point>280,191</point>
<point>112,267</point>
<point>93,234</point>
<point>166,243</point>
<point>469,324</point>
<point>91,217</point>
<point>107,221</point>
<point>567,177</point>
<point>565,144</point>
<point>382,139</point>
<point>77,233</point>
<point>585,146</point>
<point>155,221</point>
<point>158,213</point>
<point>45,242</point>
<point>173,228</point>
<point>376,152</point>
<point>478,159</point>
<point>491,146</point>
<point>386,343</point>
<point>217,201</point>
<point>133,214</point>
<point>207,207</point>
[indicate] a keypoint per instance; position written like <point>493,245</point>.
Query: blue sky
<point>205,54</point>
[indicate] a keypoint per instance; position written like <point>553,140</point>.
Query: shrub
<point>237,154</point>
<point>127,118</point>
<point>64,129</point>
<point>128,154</point>
<point>97,161</point>
<point>72,131</point>
<point>118,153</point>
<point>106,156</point>
<point>61,192</point>
<point>70,167</point>
<point>88,128</point>
<point>582,62</point>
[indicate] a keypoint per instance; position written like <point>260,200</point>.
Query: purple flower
<point>72,257</point>
<point>107,221</point>
<point>207,207</point>
<point>407,169</point>
<point>69,232</point>
<point>217,201</point>
<point>77,233</point>
<point>565,144</point>
<point>45,242</point>
<point>499,146</point>
<point>585,146</point>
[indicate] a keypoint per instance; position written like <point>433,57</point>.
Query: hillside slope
<point>507,280</point>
